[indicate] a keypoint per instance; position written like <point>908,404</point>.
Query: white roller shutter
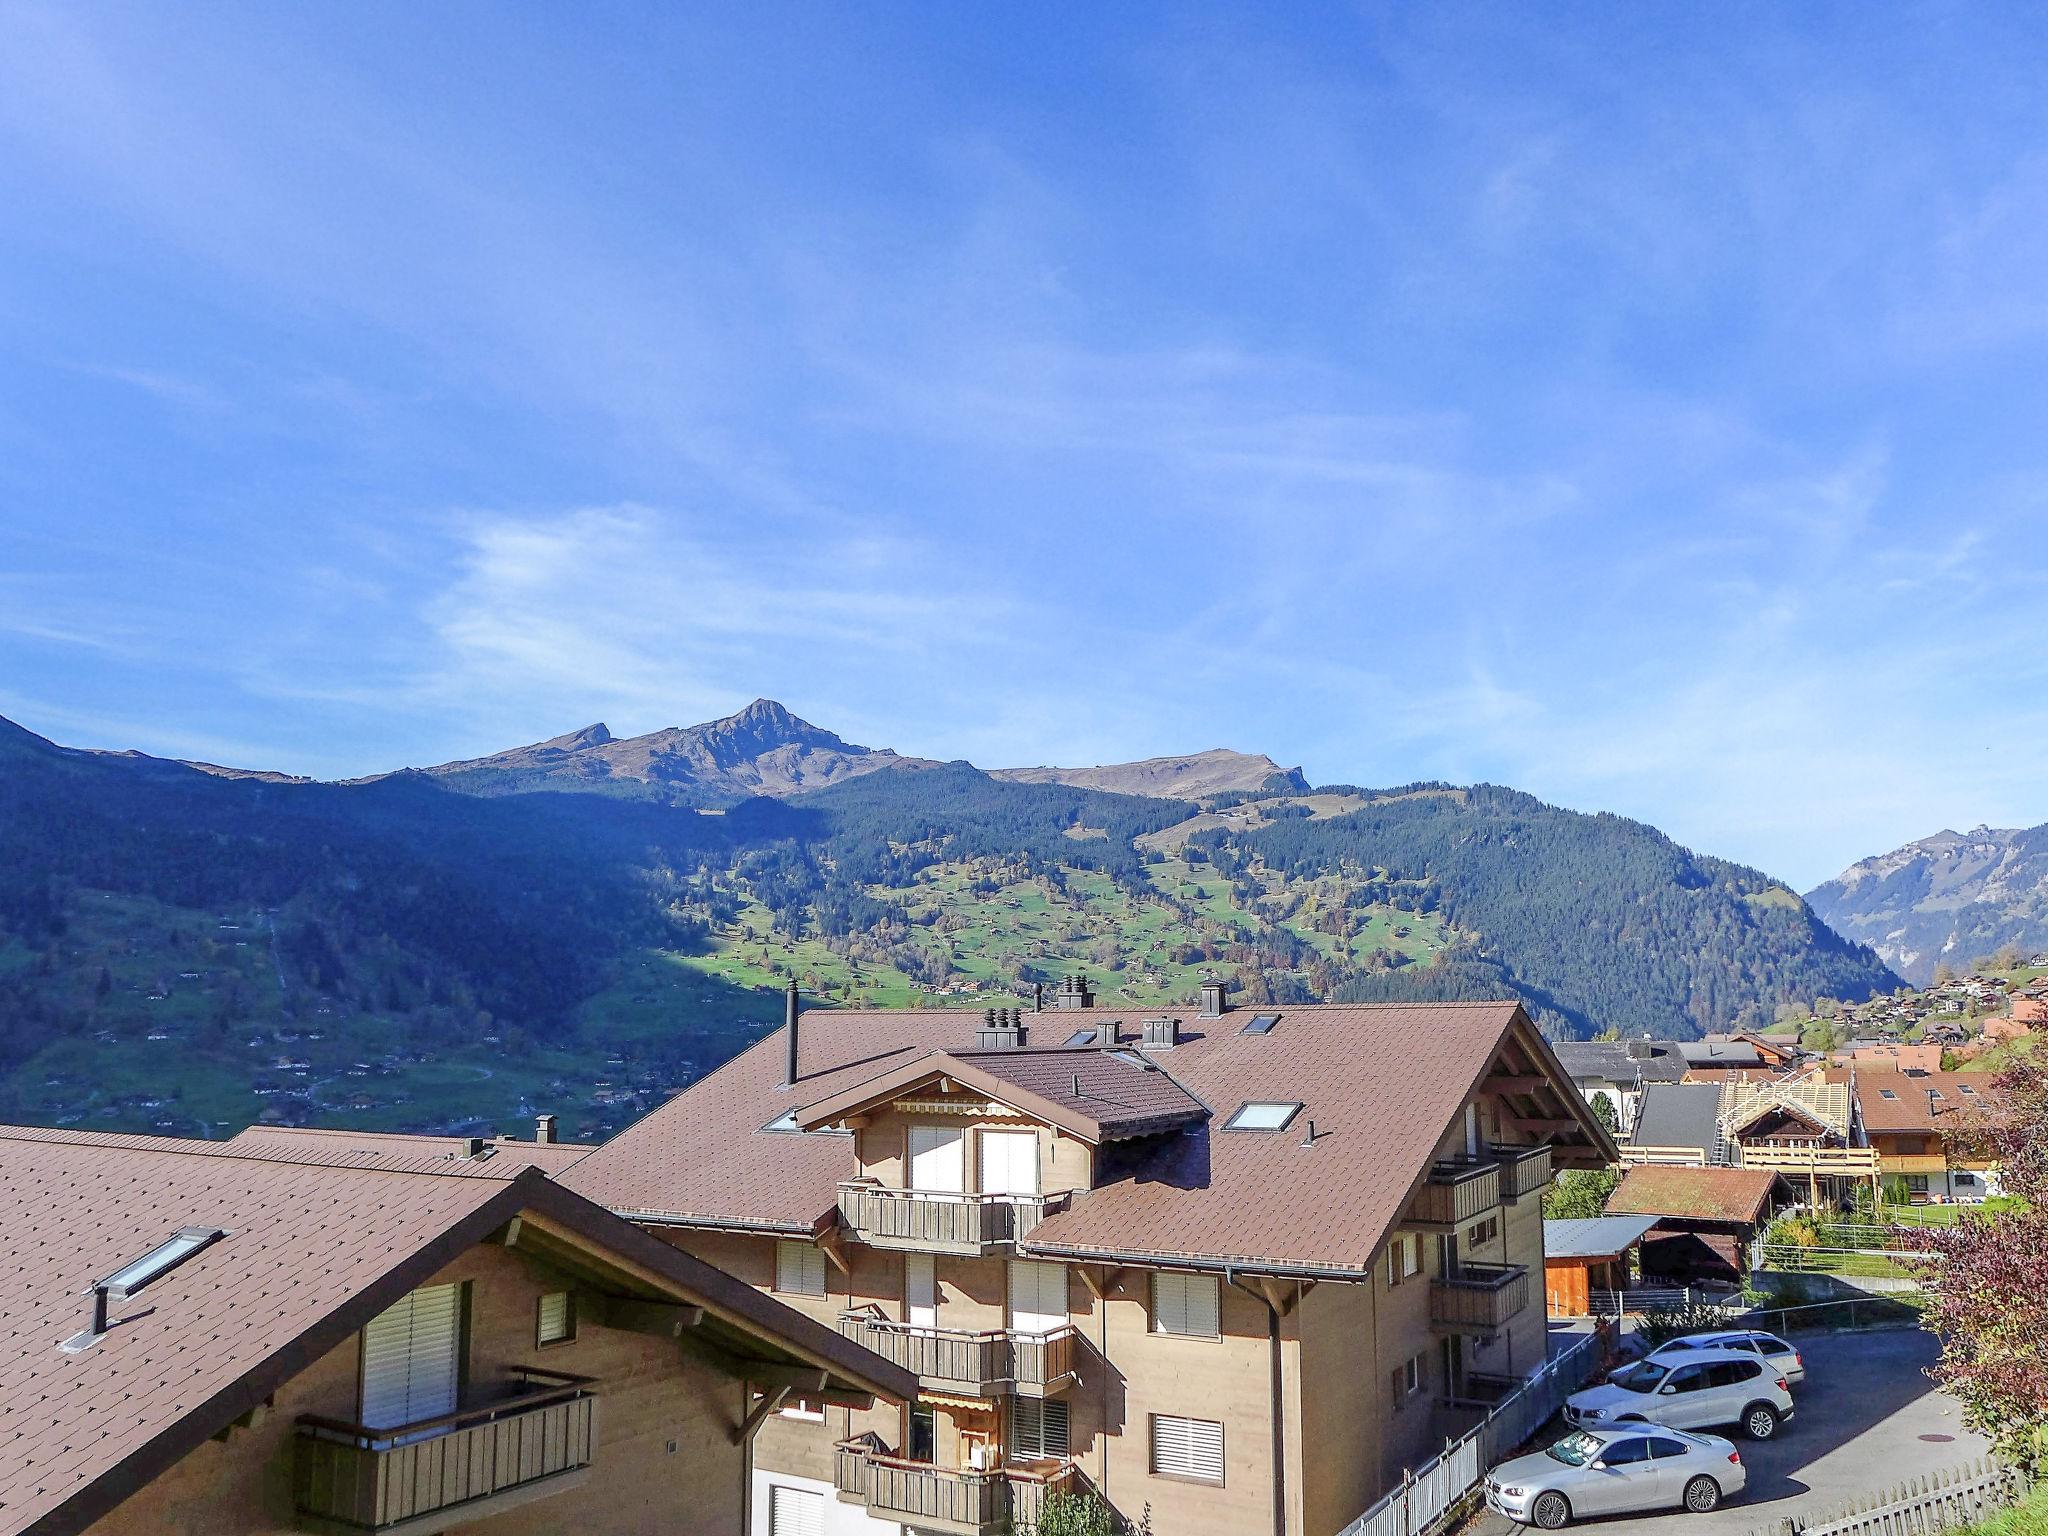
<point>920,1291</point>
<point>799,1269</point>
<point>1009,1162</point>
<point>412,1358</point>
<point>1185,1304</point>
<point>1187,1447</point>
<point>938,1159</point>
<point>1038,1297</point>
<point>795,1511</point>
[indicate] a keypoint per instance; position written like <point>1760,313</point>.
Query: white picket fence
<point>1922,1507</point>
<point>1430,1492</point>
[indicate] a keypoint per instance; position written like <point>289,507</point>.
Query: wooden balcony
<point>931,1221</point>
<point>1523,1170</point>
<point>419,1478</point>
<point>1456,1190</point>
<point>947,1499</point>
<point>971,1364</point>
<point>1478,1298</point>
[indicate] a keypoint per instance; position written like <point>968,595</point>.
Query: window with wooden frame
<point>1404,1258</point>
<point>799,1269</point>
<point>1187,1305</point>
<point>1484,1231</point>
<point>1406,1380</point>
<point>554,1318</point>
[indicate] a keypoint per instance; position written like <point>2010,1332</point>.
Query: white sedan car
<point>1613,1471</point>
<point>1774,1350</point>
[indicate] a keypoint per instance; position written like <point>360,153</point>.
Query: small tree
<point>1077,1514</point>
<point>1987,1277</point>
<point>1579,1193</point>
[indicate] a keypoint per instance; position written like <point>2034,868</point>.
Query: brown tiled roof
<point>314,1250</point>
<point>1910,1110</point>
<point>1701,1194</point>
<point>1381,1081</point>
<point>502,1156</point>
<point>1098,1095</point>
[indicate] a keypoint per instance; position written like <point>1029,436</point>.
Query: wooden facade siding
<point>981,1363</point>
<point>951,1499</point>
<point>1523,1170</point>
<point>1455,1192</point>
<point>929,1221</point>
<point>360,1484</point>
<point>1481,1297</point>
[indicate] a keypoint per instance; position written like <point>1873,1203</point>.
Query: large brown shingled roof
<point>1381,1081</point>
<point>316,1248</point>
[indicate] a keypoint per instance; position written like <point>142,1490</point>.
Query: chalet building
<point>1238,1268</point>
<point>1619,1071</point>
<point>318,1332</point>
<point>1912,1119</point>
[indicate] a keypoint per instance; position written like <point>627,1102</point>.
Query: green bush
<point>1077,1514</point>
<point>1661,1323</point>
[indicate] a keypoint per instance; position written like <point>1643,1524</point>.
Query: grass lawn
<point>2029,1517</point>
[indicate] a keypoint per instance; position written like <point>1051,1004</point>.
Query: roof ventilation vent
<point>1161,1034</point>
<point>1002,1029</point>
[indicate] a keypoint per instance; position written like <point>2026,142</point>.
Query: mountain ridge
<point>1945,898</point>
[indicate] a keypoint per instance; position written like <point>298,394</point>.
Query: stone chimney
<point>1074,992</point>
<point>544,1131</point>
<point>1212,1000</point>
<point>1002,1029</point>
<point>1161,1034</point>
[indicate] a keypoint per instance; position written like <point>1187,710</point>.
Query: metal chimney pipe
<point>99,1310</point>
<point>789,1019</point>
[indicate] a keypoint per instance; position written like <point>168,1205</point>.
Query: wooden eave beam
<point>1542,1127</point>
<point>1534,1083</point>
<point>1100,1278</point>
<point>832,1243</point>
<point>750,1426</point>
<point>630,1314</point>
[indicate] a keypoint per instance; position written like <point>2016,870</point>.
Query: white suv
<point>1753,1341</point>
<point>1697,1388</point>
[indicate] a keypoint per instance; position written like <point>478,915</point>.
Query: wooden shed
<point>1584,1256</point>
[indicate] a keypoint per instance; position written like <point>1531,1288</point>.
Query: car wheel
<point>1759,1421</point>
<point>1550,1511</point>
<point>1702,1495</point>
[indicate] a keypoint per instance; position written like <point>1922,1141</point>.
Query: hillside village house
<point>1913,1120</point>
<point>1619,1071</point>
<point>319,1332</point>
<point>1237,1267</point>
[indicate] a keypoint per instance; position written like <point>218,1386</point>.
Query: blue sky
<point>1642,406</point>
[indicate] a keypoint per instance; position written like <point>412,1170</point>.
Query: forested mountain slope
<point>184,950</point>
<point>1950,897</point>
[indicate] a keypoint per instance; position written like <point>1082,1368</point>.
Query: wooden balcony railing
<point>950,1499</point>
<point>450,1470</point>
<point>980,1364</point>
<point>1478,1298</point>
<point>932,1221</point>
<point>1523,1170</point>
<point>1457,1190</point>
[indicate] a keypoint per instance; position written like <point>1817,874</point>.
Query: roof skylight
<point>1082,1036</point>
<point>1262,1116</point>
<point>1260,1024</point>
<point>161,1260</point>
<point>786,1123</point>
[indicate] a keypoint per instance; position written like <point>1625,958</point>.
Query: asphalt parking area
<point>1868,1418</point>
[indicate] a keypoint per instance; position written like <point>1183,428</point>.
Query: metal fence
<point>1433,1490</point>
<point>1656,1299</point>
<point>1958,1497</point>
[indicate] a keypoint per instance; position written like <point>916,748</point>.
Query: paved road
<point>1863,1419</point>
